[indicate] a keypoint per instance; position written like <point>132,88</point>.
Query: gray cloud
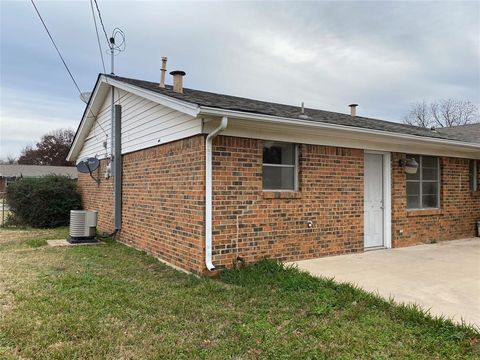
<point>383,55</point>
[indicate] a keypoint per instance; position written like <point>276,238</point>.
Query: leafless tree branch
<point>442,113</point>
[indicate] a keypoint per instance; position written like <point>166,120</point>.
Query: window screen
<point>279,166</point>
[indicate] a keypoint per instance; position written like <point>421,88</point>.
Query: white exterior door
<point>374,202</point>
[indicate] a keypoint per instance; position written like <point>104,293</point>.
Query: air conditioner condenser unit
<point>83,226</point>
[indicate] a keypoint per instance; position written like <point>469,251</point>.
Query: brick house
<point>208,179</point>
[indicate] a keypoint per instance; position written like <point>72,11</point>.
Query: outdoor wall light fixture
<point>410,166</point>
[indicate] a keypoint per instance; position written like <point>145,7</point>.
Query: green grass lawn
<point>113,302</point>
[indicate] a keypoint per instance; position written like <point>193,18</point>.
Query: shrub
<point>43,202</point>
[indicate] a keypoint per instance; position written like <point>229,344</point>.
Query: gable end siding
<point>144,124</point>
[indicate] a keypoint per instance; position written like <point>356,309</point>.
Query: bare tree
<point>442,113</point>
<point>419,115</point>
<point>10,160</point>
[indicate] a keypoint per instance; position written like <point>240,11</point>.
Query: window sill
<point>282,194</point>
<point>424,212</point>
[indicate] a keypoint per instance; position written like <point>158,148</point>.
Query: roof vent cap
<point>353,109</point>
<point>178,80</point>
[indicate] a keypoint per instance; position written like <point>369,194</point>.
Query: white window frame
<point>473,186</point>
<point>420,181</point>
<point>294,166</point>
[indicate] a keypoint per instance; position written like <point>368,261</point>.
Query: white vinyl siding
<point>144,124</point>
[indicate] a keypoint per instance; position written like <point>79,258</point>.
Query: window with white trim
<point>473,174</point>
<point>423,188</point>
<point>279,166</point>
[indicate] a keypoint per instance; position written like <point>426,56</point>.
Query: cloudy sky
<point>382,55</point>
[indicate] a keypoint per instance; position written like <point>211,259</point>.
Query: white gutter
<point>205,110</point>
<point>208,192</point>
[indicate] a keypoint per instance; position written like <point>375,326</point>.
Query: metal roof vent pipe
<point>163,70</point>
<point>178,81</point>
<point>302,114</point>
<point>353,109</point>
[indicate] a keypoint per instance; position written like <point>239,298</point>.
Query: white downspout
<point>208,192</point>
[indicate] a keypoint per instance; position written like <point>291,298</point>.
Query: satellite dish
<point>85,96</point>
<point>88,165</point>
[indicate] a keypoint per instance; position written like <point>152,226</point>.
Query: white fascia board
<point>289,121</point>
<point>84,128</point>
<point>87,120</point>
<point>179,105</point>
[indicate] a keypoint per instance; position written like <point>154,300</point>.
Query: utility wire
<point>98,37</point>
<point>56,48</point>
<point>101,56</point>
<point>101,22</point>
<point>63,61</point>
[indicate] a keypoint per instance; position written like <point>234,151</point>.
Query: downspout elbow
<point>220,128</point>
<point>209,192</point>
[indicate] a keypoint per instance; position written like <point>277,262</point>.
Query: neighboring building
<point>12,172</point>
<point>284,183</point>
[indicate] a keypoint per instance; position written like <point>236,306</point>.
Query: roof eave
<point>212,111</point>
<point>179,105</point>
<point>74,147</point>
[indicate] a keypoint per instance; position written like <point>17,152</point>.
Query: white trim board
<point>145,123</point>
<point>338,137</point>
<point>330,133</point>
<point>97,99</point>
<point>182,106</point>
<point>322,125</point>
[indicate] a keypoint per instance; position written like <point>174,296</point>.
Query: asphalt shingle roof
<point>469,132</point>
<point>228,102</point>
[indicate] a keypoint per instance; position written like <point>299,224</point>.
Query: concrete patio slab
<point>442,277</point>
<point>64,242</point>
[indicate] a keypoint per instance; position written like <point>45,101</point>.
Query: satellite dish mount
<point>89,166</point>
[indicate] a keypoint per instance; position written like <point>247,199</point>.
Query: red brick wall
<point>253,224</point>
<point>98,196</point>
<point>163,201</point>
<point>459,207</point>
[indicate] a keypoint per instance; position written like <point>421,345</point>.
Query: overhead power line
<point>101,22</point>
<point>63,60</point>
<point>56,48</point>
<point>98,37</point>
